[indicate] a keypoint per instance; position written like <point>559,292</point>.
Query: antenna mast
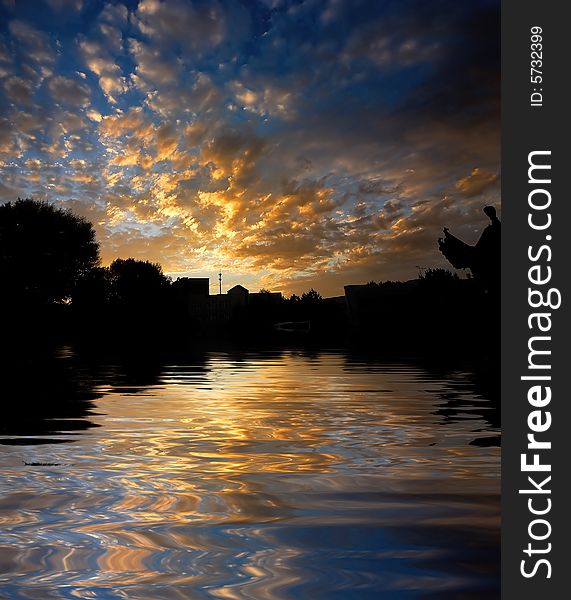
<point>220,281</point>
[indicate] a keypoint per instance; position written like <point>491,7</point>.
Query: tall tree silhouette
<point>44,252</point>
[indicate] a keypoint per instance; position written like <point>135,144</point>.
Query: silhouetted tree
<point>44,252</point>
<point>438,274</point>
<point>311,297</point>
<point>93,291</point>
<point>137,283</point>
<point>387,283</point>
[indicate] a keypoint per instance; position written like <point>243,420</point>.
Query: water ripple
<point>259,477</point>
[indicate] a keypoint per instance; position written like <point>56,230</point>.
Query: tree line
<point>50,267</point>
<point>54,287</point>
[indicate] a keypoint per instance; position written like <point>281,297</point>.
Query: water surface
<point>269,476</point>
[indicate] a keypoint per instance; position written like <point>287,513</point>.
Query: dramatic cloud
<point>19,90</point>
<point>290,144</point>
<point>35,45</point>
<point>476,182</point>
<point>60,5</point>
<point>69,91</point>
<point>101,48</point>
<point>194,27</point>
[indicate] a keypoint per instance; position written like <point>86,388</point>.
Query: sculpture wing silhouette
<point>459,254</point>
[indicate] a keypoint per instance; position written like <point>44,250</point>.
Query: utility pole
<point>220,281</point>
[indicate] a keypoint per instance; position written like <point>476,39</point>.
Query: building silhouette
<point>193,298</point>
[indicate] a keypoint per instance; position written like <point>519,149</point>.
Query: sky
<point>289,144</point>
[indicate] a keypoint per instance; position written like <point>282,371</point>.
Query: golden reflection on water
<point>274,476</point>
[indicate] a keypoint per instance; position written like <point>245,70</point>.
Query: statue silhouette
<point>483,259</point>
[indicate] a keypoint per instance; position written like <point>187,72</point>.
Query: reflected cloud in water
<point>272,475</point>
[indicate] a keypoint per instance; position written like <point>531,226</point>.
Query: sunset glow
<point>289,144</point>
